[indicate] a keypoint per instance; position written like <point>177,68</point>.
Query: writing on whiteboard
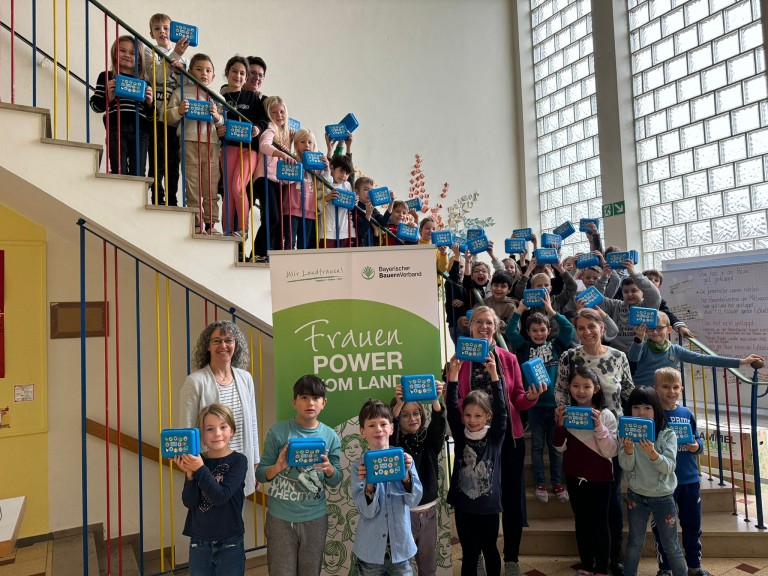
<point>685,312</point>
<point>726,306</point>
<point>680,287</point>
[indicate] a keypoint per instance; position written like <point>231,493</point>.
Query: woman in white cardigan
<point>220,356</point>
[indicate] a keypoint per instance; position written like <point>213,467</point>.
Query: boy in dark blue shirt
<point>669,386</point>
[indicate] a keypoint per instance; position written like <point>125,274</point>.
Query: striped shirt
<point>231,399</point>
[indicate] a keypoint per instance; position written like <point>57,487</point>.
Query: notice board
<point>724,300</point>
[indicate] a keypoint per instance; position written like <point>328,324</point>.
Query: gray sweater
<point>619,310</point>
<point>655,478</point>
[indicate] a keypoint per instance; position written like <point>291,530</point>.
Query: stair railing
<point>732,382</point>
<point>120,160</point>
<point>150,329</point>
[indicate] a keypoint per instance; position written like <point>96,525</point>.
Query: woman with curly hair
<point>220,357</point>
<point>612,369</point>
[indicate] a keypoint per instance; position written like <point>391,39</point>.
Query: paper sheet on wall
<point>725,306</point>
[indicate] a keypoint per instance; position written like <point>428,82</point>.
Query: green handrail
<point>736,373</point>
<point>170,60</point>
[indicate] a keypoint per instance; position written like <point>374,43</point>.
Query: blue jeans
<point>298,233</point>
<point>665,514</point>
<point>541,421</point>
<point>217,557</point>
<point>386,569</point>
<point>688,499</point>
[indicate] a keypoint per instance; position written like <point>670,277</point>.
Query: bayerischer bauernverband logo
<point>368,272</point>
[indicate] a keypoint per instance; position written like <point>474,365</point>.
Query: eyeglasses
<point>219,341</point>
<point>258,75</point>
<point>658,328</point>
<point>484,322</point>
<point>416,415</point>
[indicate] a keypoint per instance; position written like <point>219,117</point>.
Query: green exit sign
<point>613,209</point>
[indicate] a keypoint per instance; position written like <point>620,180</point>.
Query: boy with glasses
<point>658,352</point>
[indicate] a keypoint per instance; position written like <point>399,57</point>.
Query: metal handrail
<point>738,375</point>
<point>223,102</point>
<point>59,65</point>
<point>170,60</point>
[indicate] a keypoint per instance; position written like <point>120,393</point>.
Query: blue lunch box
<point>130,88</point>
<point>178,441</point>
<point>419,388</point>
<point>637,428</point>
<point>535,372</point>
<point>179,31</point>
<point>472,349</point>
<point>385,465</point>
<point>305,451</point>
<point>239,131</point>
<point>579,418</point>
<point>289,172</point>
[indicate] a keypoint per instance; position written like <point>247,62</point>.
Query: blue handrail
<point>754,383</point>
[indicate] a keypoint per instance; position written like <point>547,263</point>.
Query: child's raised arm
<point>651,294</point>
<point>499,421</point>
<point>437,423</point>
<point>512,333</point>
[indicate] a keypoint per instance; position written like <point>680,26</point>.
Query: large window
<point>566,115</point>
<point>700,124</point>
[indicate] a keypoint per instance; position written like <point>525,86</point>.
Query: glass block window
<point>566,116</point>
<point>701,126</point>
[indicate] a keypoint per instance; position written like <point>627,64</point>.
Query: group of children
<point>292,214</point>
<point>398,520</point>
<point>297,519</point>
<point>646,355</point>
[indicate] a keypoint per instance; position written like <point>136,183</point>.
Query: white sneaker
<point>541,494</point>
<point>562,494</point>
<point>511,569</point>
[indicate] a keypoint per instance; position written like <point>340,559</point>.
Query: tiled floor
<point>35,560</point>
<point>566,566</point>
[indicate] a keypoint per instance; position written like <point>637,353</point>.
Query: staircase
<point>56,182</point>
<point>725,534</point>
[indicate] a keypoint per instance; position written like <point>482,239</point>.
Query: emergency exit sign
<point>613,209</point>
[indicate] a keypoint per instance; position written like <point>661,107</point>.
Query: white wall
<point>433,77</point>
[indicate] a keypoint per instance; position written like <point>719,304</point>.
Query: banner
<point>357,318</point>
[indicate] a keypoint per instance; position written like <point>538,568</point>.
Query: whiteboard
<point>724,300</point>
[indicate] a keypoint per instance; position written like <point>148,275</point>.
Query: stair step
<point>72,144</point>
<point>714,498</point>
<point>32,560</point>
<point>129,566</point>
<point>68,556</point>
<point>165,208</point>
<point>218,238</point>
<point>724,535</point>
<point>10,522</point>
<point>125,177</point>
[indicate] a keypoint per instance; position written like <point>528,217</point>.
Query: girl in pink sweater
<point>588,469</point>
<point>267,188</point>
<point>299,200</point>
